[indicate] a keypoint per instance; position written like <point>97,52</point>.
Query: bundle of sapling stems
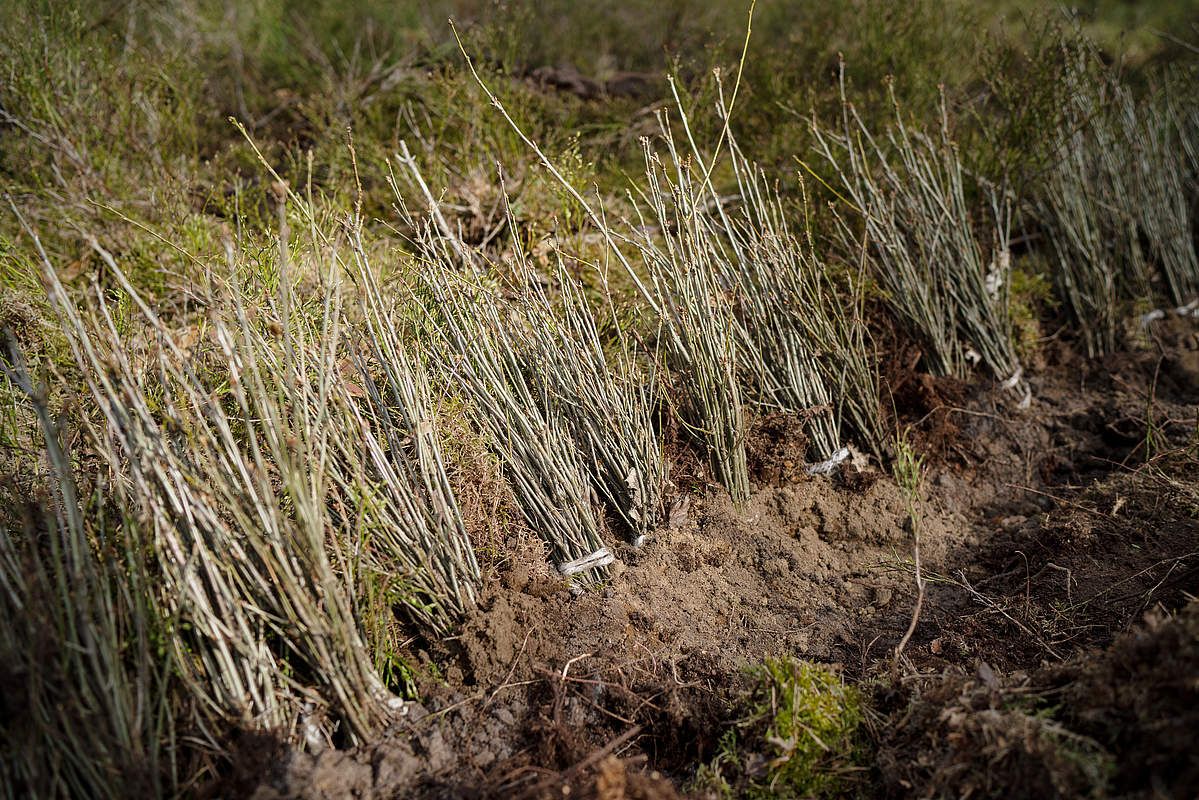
<point>809,344</point>
<point>812,332</point>
<point>693,260</point>
<point>1080,205</point>
<point>257,492</point>
<point>478,353</point>
<point>1070,205</point>
<point>80,621</point>
<point>774,358</point>
<point>909,190</point>
<point>694,289</point>
<point>1159,203</point>
<point>258,501</point>
<point>1184,110</point>
<point>424,525</point>
<point>409,537</point>
<point>767,307</point>
<point>607,408</point>
<point>224,661</point>
<point>703,342</point>
<point>248,500</point>
<point>1112,119</point>
<point>1113,199</point>
<point>698,338</point>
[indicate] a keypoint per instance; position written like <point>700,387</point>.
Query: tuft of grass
<point>76,145</point>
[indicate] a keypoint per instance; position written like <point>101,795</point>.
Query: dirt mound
<point>1141,701</point>
<point>538,681</point>
<point>725,588</point>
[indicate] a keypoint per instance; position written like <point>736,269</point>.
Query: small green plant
<point>801,736</point>
<point>908,469</point>
<point>909,473</point>
<point>711,775</point>
<point>1155,440</point>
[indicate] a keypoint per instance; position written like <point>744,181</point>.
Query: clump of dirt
<point>981,736</point>
<point>1121,723</point>
<point>1141,701</point>
<point>920,404</point>
<point>775,449</point>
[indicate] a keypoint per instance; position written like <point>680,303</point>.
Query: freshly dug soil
<point>1056,655</point>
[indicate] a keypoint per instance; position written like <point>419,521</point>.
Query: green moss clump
<point>1031,290</point>
<point>801,736</point>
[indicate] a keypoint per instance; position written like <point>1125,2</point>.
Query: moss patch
<point>801,736</point>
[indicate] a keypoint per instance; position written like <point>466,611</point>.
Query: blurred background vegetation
<point>131,101</point>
